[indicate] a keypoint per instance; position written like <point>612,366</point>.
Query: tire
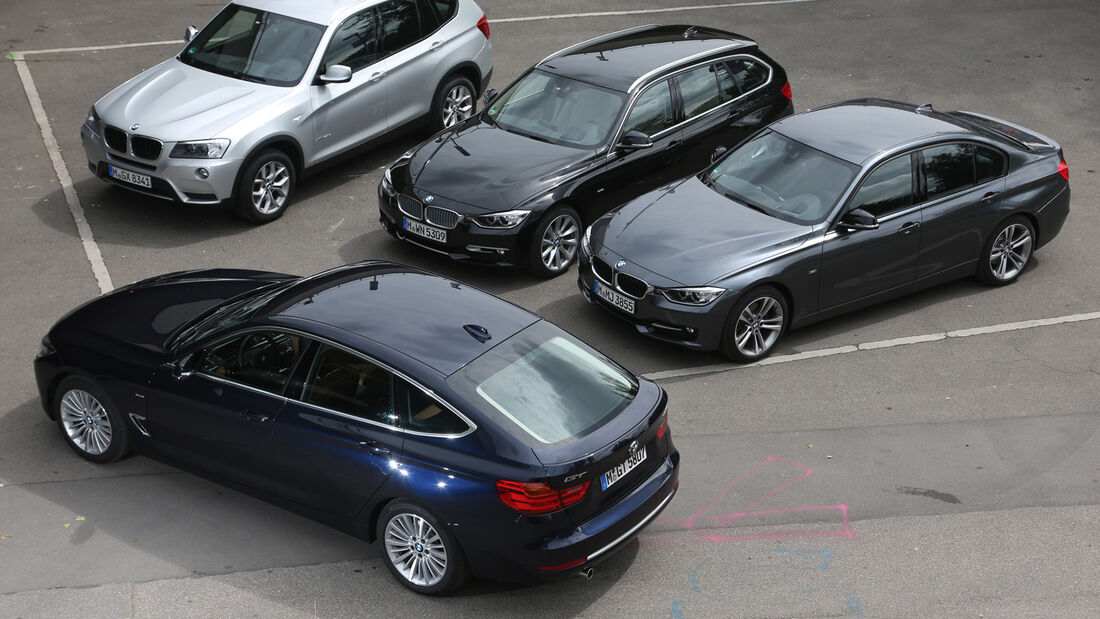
<point>455,100</point>
<point>755,325</point>
<point>419,550</point>
<point>1007,252</point>
<point>91,425</point>
<point>266,187</point>
<point>555,242</point>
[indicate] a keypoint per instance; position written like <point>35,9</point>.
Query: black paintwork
<point>684,234</point>
<point>477,167</point>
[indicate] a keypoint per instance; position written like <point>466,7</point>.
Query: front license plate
<point>614,298</point>
<point>127,176</point>
<point>427,232</point>
<point>620,470</point>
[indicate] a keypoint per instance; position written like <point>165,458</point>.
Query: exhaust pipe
<point>586,573</point>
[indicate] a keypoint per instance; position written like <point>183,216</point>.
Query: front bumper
<point>655,316</point>
<point>466,242</point>
<point>171,179</point>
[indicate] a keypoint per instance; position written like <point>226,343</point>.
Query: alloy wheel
<point>759,326</point>
<point>1010,252</point>
<point>270,187</point>
<point>85,421</point>
<point>559,242</point>
<point>458,105</point>
<point>416,549</point>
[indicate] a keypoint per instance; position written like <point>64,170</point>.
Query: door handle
<point>908,227</point>
<point>255,417</point>
<point>434,46</point>
<point>374,77</point>
<point>673,145</point>
<point>989,197</point>
<point>374,447</point>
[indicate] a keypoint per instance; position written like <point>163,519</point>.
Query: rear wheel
<point>1007,252</point>
<point>755,325</point>
<point>554,246</point>
<point>89,423</point>
<point>265,187</point>
<point>419,550</point>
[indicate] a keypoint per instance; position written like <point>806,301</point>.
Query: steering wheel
<point>258,335</point>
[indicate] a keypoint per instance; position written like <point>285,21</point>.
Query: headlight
<point>586,241</point>
<point>46,347</point>
<point>507,219</point>
<point>93,122</point>
<point>693,296</point>
<point>387,182</point>
<point>201,149</point>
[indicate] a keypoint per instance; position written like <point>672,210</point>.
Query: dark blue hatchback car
<point>469,435</point>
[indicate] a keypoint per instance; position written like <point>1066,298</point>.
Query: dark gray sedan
<point>825,212</point>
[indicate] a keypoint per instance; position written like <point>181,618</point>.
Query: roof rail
<point>600,39</point>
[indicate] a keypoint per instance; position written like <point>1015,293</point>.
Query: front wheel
<point>88,421</point>
<point>1007,252</point>
<point>554,246</point>
<point>419,550</point>
<point>755,325</point>
<point>265,187</point>
<point>454,102</point>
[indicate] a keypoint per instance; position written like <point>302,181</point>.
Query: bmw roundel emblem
<point>135,127</point>
<point>634,447</point>
<point>620,264</point>
<point>428,198</point>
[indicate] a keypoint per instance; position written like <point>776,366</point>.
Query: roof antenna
<point>691,32</point>
<point>924,109</point>
<point>478,332</point>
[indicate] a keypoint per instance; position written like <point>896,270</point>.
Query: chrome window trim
<point>692,58</point>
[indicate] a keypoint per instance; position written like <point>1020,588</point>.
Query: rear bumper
<point>1052,216</point>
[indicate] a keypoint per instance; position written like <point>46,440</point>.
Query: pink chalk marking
<point>725,521</point>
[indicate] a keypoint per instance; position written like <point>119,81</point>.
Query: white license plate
<point>127,176</point>
<point>620,470</point>
<point>613,298</point>
<point>427,232</point>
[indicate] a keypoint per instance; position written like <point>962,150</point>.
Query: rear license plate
<point>127,176</point>
<point>427,232</point>
<point>620,470</point>
<point>613,298</point>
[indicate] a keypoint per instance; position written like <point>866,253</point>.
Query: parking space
<point>1004,423</point>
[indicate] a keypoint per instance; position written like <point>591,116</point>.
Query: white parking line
<point>901,341</point>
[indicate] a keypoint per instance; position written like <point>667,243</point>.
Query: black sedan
<point>822,213</point>
<point>581,132</point>
<point>468,435</point>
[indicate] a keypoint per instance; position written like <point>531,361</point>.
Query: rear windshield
<point>1003,131</point>
<point>545,386</point>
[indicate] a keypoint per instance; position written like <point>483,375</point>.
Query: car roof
<point>322,12</point>
<point>417,313</point>
<point>859,129</point>
<point>620,59</point>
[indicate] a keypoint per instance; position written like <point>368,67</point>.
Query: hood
<point>146,313</point>
<point>483,165</point>
<point>693,235</point>
<point>173,102</point>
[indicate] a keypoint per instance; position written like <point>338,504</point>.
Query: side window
<point>727,88</point>
<point>400,25</point>
<point>652,111</point>
<point>988,164</point>
<point>422,413</point>
<point>749,73</point>
<point>699,90</point>
<point>445,8</point>
<point>355,42</point>
<point>344,382</point>
<point>889,188</point>
<point>260,359</point>
<point>947,169</point>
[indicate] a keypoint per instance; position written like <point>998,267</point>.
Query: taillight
<point>537,498</point>
<point>786,90</point>
<point>483,26</point>
<point>1063,169</point>
<point>663,428</point>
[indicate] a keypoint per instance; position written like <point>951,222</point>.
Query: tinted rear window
<point>545,386</point>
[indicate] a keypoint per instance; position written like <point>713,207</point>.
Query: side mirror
<point>858,219</point>
<point>489,96</point>
<point>336,74</point>
<point>189,34</point>
<point>179,368</point>
<point>634,140</point>
<point>717,154</point>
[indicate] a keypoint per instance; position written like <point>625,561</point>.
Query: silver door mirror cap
<point>337,74</point>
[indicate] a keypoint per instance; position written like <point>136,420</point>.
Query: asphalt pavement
<point>934,477</point>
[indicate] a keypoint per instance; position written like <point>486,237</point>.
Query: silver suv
<point>270,89</point>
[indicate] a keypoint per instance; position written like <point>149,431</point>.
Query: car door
<point>857,264</point>
<point>630,172</point>
<point>412,62</point>
<point>347,114</point>
<point>962,183</point>
<point>217,412</point>
<point>338,439</point>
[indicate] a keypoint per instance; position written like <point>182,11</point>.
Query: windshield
<point>782,177</point>
<point>545,385</point>
<point>228,315</point>
<point>254,45</point>
<point>557,109</point>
